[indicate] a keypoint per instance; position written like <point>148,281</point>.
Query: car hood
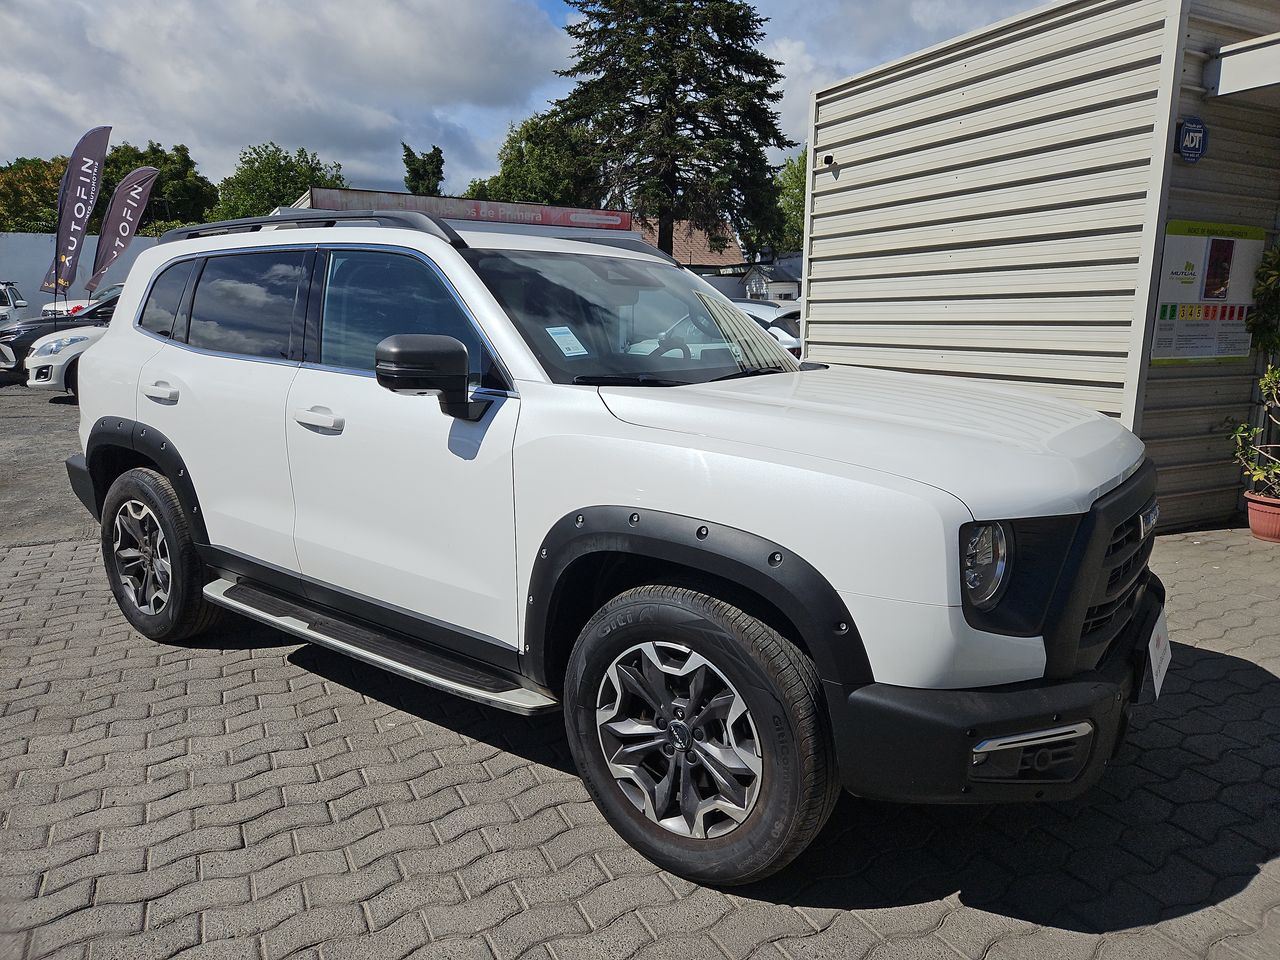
<point>92,333</point>
<point>1003,452</point>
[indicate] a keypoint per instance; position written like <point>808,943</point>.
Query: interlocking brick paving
<point>246,796</point>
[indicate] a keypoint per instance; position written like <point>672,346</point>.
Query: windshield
<point>593,319</point>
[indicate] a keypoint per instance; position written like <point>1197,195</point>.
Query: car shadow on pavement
<point>539,739</point>
<point>64,399</point>
<point>238,633</point>
<point>1183,819</point>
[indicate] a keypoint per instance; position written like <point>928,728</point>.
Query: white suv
<point>440,453</point>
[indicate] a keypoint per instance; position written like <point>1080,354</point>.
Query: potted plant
<point>1260,461</point>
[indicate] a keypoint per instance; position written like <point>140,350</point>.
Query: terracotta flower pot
<point>1264,516</point>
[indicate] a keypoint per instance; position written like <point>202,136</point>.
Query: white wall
<point>25,258</point>
<point>991,211</point>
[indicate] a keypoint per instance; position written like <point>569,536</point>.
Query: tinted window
<point>166,296</point>
<point>372,295</point>
<point>245,304</point>
<point>4,297</point>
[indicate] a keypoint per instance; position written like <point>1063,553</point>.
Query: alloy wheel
<point>142,556</point>
<point>679,740</point>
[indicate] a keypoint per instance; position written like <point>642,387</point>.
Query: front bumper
<point>900,743</point>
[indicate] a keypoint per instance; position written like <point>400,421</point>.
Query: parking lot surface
<point>247,796</point>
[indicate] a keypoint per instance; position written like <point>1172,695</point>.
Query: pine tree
<point>423,172</point>
<point>680,103</point>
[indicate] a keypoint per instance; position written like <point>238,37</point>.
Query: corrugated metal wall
<point>989,211</point>
<point>1186,407</point>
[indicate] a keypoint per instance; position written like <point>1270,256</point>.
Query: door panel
<point>219,398</point>
<point>225,416</point>
<point>401,504</point>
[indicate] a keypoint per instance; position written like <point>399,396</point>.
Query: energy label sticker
<point>569,345</point>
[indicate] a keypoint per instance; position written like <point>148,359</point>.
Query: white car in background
<point>63,308</point>
<point>53,361</point>
<point>781,320</point>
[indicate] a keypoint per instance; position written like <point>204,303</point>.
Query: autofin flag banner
<point>75,205</point>
<point>121,220</point>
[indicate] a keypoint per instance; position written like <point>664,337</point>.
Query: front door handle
<point>321,418</point>
<point>161,391</point>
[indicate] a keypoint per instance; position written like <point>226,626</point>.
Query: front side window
<point>4,297</point>
<point>162,304</point>
<point>601,319</point>
<point>371,295</point>
<point>245,303</point>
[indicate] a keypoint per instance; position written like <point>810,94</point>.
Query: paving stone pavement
<point>246,796</point>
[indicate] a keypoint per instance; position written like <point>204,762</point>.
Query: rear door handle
<point>161,391</point>
<point>320,418</point>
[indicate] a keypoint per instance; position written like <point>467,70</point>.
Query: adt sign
<point>1193,139</point>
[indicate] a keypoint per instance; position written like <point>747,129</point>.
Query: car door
<point>400,508</point>
<point>216,389</point>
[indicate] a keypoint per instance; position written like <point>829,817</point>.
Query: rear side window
<point>166,296</point>
<point>245,303</point>
<point>370,295</point>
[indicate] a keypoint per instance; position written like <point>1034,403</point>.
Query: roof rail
<point>405,219</point>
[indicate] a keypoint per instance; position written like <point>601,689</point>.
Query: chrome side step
<point>391,652</point>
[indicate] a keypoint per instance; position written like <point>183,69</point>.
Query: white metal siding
<point>1187,407</point>
<point>991,212</point>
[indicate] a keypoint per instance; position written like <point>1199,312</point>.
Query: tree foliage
<point>791,181</point>
<point>680,103</point>
<point>268,176</point>
<point>180,192</point>
<point>29,194</point>
<point>544,160</point>
<point>423,172</point>
<point>29,188</point>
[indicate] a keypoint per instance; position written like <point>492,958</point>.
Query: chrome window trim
<point>448,284</point>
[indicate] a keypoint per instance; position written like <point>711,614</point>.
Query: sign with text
<point>1206,291</point>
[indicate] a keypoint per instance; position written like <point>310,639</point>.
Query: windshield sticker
<point>569,345</point>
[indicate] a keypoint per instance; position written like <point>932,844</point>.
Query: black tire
<point>185,613</point>
<point>71,377</point>
<point>798,784</point>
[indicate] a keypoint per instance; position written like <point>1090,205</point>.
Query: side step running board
<point>389,651</point>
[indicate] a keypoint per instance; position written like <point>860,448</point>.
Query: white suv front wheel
<point>700,733</point>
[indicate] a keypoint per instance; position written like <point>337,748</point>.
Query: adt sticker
<point>1193,139</point>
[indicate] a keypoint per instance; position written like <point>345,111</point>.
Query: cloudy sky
<point>350,79</point>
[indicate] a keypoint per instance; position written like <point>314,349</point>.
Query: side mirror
<point>422,363</point>
<point>19,304</point>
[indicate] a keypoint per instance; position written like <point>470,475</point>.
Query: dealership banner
<point>121,220</point>
<point>78,194</point>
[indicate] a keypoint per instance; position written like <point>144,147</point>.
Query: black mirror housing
<point>429,363</point>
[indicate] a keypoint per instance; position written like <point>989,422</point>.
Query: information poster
<point>1206,291</point>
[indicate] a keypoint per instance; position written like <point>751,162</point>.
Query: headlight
<point>984,563</point>
<point>55,346</point>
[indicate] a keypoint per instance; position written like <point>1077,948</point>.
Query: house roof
<point>692,247</point>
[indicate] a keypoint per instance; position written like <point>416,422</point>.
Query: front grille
<point>1119,586</point>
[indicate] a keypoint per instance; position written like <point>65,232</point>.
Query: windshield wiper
<point>748,372</point>
<point>627,380</point>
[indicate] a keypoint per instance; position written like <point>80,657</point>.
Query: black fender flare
<point>120,433</point>
<point>760,566</point>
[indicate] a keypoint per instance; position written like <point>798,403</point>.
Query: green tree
<point>180,194</point>
<point>544,160</point>
<point>267,176</point>
<point>791,181</point>
<point>680,101</point>
<point>29,194</point>
<point>423,172</point>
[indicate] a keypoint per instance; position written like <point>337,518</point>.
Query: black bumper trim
<point>82,483</point>
<point>899,743</point>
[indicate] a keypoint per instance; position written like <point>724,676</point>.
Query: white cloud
<point>345,79</point>
<point>350,80</point>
